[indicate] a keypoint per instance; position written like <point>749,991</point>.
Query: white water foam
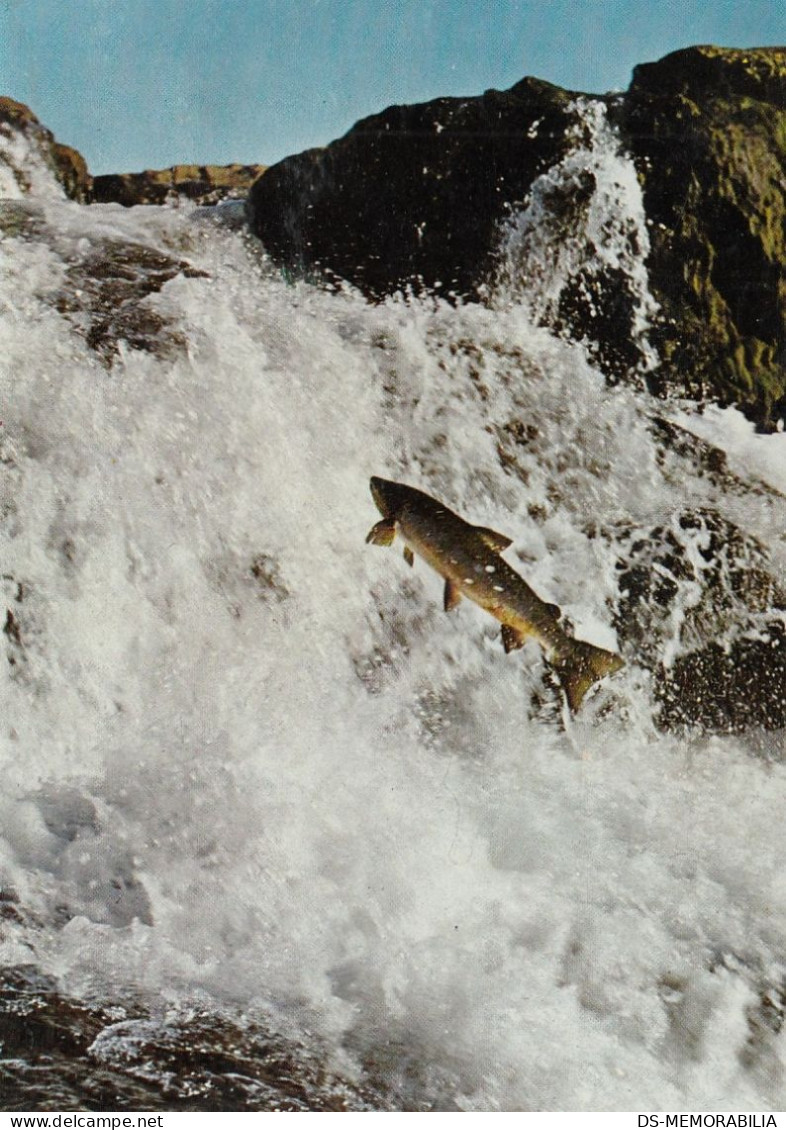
<point>750,453</point>
<point>23,167</point>
<point>584,216</point>
<point>248,761</point>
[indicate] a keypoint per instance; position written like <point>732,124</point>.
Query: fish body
<point>469,559</point>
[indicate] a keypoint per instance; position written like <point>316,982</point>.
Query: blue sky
<point>147,83</point>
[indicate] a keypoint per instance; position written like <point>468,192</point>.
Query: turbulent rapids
<point>271,836</point>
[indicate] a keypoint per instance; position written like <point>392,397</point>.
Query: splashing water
<point>24,169</point>
<point>581,237</point>
<point>248,761</point>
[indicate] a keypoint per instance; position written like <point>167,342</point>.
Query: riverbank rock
<point>204,184</point>
<point>32,162</point>
<point>707,127</point>
<point>702,606</point>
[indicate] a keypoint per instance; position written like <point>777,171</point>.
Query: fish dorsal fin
<point>383,533</point>
<point>493,540</point>
<point>452,596</point>
<point>512,638</point>
<point>409,556</point>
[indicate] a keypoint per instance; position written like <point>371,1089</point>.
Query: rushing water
<point>583,226</point>
<point>253,772</point>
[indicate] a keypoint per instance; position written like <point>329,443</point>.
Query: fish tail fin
<point>582,667</point>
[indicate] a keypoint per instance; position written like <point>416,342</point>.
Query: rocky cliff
<point>413,196</point>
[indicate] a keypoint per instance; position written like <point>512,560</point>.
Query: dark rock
<point>716,72</point>
<point>103,294</point>
<point>598,308</point>
<point>707,127</point>
<point>17,628</point>
<point>21,219</point>
<point>700,607</point>
<point>66,165</point>
<point>727,690</point>
<point>416,197</point>
<point>11,628</point>
<point>700,566</point>
<point>60,1053</point>
<point>413,196</point>
<point>204,184</point>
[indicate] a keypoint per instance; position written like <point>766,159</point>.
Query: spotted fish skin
<point>469,559</point>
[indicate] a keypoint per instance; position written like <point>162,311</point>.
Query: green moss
<point>710,126</point>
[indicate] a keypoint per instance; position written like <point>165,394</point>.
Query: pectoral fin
<point>493,540</point>
<point>452,596</point>
<point>512,638</point>
<point>409,556</point>
<point>383,533</point>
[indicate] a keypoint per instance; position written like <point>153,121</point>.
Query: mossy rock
<point>707,127</point>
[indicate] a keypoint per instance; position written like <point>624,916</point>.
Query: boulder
<point>727,689</point>
<point>414,196</point>
<point>93,1058</point>
<point>417,197</point>
<point>702,607</point>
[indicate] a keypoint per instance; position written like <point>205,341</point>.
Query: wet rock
<point>104,292</point>
<point>413,196</point>
<point>203,184</point>
<point>705,458</point>
<point>66,165</point>
<point>267,575</point>
<point>11,628</point>
<point>702,609</point>
<point>707,127</point>
<point>765,1022</point>
<point>727,690</point>
<point>10,911</point>
<point>59,1053</point>
<point>20,219</point>
<point>14,593</point>
<point>208,1060</point>
<point>598,308</point>
<point>696,578</point>
<point>416,197</point>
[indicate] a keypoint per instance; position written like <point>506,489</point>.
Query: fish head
<point>390,497</point>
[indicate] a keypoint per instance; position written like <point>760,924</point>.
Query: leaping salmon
<point>468,557</point>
